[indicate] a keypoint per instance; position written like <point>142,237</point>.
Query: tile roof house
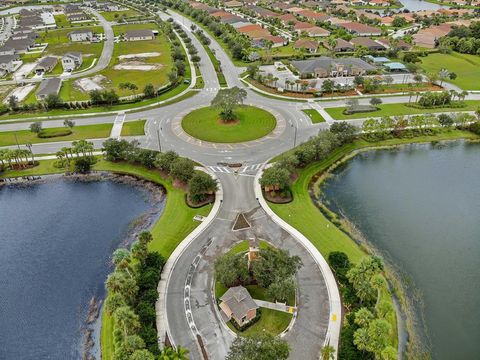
<point>340,45</point>
<point>317,31</point>
<point>332,67</point>
<point>313,15</point>
<point>368,43</point>
<point>47,87</point>
<point>306,44</point>
<point>287,18</point>
<point>428,37</point>
<point>238,304</point>
<point>401,44</point>
<point>361,29</point>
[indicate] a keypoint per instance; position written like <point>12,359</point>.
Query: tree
<point>328,352</point>
<point>360,277</point>
<point>142,355</point>
<point>53,101</point>
<point>275,178</point>
<point>149,91</point>
<point>13,102</point>
<point>227,100</point>
<point>345,132</point>
<point>445,120</point>
<point>169,353</point>
<point>182,169</point>
<point>274,265</point>
<point>281,289</point>
<point>126,320</point>
<point>173,77</point>
<point>231,269</point>
<point>261,347</point>
<point>110,97</point>
<point>358,80</point>
<point>96,97</point>
<point>69,123</point>
<point>201,184</point>
<point>164,161</point>
<point>328,86</point>
<point>36,127</point>
<point>418,78</point>
<point>374,101</point>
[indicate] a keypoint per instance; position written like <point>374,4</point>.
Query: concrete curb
<point>161,304</point>
<point>333,332</point>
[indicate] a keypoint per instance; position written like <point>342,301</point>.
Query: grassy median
<point>251,123</point>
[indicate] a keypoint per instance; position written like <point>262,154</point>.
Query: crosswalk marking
<point>228,170</point>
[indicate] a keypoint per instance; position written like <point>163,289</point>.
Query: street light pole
<point>295,134</point>
<point>158,139</point>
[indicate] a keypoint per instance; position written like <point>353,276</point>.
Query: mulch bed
<point>209,200</point>
<point>277,199</point>
<point>241,222</point>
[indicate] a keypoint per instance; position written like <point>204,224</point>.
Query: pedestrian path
<point>117,126</point>
<point>245,170</point>
<point>276,306</point>
<point>321,110</point>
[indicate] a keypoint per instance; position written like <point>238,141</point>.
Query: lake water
<point>420,205</point>
<point>56,241</point>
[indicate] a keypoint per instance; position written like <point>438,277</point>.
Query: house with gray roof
<point>48,87</point>
<point>6,63</point>
<point>46,64</point>
<point>72,60</point>
<point>80,35</point>
<point>139,35</point>
<point>238,304</point>
<point>324,66</point>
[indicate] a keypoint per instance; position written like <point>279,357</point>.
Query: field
<point>118,15</point>
<point>79,132</point>
<point>251,123</point>
<point>397,109</point>
<point>467,68</point>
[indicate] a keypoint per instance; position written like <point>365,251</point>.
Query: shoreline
<point>413,334</point>
<point>155,195</point>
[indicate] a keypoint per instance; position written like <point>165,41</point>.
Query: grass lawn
<point>467,68</point>
<point>117,15</point>
<point>271,322</point>
<point>314,115</point>
<point>252,123</point>
<point>133,128</point>
<point>106,338</point>
<point>398,109</point>
<point>215,63</point>
<point>79,132</point>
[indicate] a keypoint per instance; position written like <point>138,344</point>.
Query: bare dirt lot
<point>139,56</point>
<point>137,65</point>
<point>92,83</point>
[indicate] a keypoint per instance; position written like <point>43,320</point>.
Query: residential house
<point>309,45</point>
<point>19,46</point>
<point>7,63</point>
<point>46,64</point>
<point>72,61</point>
<point>360,29</point>
<point>80,35</point>
<point>77,17</point>
<point>340,45</point>
<point>139,35</point>
<point>428,37</point>
<point>379,3</point>
<point>238,304</point>
<point>49,86</point>
<point>287,19</point>
<point>368,43</point>
<point>399,44</point>
<point>317,31</point>
<point>233,4</point>
<point>313,15</point>
<point>332,67</point>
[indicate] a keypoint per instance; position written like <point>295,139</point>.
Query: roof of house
<point>401,43</point>
<point>80,31</point>
<point>316,30</point>
<point>340,44</point>
<point>378,59</point>
<point>254,31</point>
<point>305,43</point>
<point>303,26</point>
<point>138,33</point>
<point>73,54</point>
<point>5,59</point>
<point>48,61</point>
<point>367,42</point>
<point>309,14</point>
<point>19,44</point>
<point>324,62</point>
<point>395,66</point>
<point>360,28</point>
<point>49,86</point>
<point>239,301</point>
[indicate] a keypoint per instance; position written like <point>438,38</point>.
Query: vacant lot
<point>117,15</point>
<point>467,68</point>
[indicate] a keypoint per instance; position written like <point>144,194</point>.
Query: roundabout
<point>250,123</point>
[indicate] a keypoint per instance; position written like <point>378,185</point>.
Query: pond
<point>420,205</point>
<point>56,243</point>
<point>420,5</point>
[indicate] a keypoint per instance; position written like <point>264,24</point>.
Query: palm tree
<point>169,353</point>
<point>463,94</point>
<point>29,146</point>
<point>328,352</point>
<point>126,320</point>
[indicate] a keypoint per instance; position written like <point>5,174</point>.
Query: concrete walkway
<point>276,306</point>
<point>117,126</point>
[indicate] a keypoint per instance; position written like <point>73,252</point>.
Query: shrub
<point>51,133</point>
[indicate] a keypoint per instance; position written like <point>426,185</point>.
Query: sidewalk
<point>276,306</point>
